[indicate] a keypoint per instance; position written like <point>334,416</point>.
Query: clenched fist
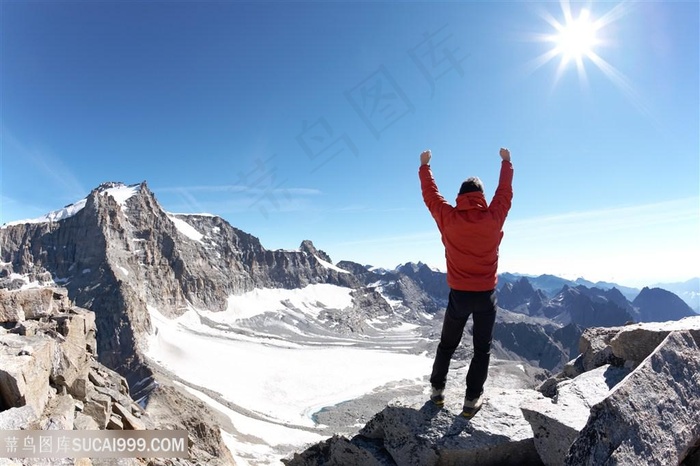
<point>505,154</point>
<point>425,157</point>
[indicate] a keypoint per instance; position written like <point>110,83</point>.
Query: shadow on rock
<point>428,436</point>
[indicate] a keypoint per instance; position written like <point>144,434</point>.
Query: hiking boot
<point>437,396</point>
<point>472,406</point>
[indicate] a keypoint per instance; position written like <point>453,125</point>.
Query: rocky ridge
<point>50,379</point>
<point>122,252</point>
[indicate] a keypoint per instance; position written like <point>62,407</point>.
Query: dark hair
<point>471,185</point>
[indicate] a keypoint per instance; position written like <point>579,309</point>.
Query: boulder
<point>595,350</point>
<point>401,432</point>
<point>84,422</point>
<point>25,366</point>
<point>336,451</point>
<point>17,418</point>
<point>31,303</point>
<point>98,407</point>
<point>651,417</point>
<point>557,422</point>
<point>59,413</point>
<point>633,343</point>
<point>129,421</point>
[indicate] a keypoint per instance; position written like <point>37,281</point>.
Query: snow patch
<point>310,300</point>
<point>186,229</point>
<point>122,193</point>
<point>201,214</point>
<point>123,270</point>
<point>328,265</point>
<point>55,216</point>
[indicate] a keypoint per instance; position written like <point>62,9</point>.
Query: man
<point>471,233</point>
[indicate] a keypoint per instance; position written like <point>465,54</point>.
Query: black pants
<point>481,305</point>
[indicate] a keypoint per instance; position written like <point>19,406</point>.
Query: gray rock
<point>595,349</point>
<point>59,413</point>
<point>76,328</point>
<point>171,409</point>
<point>98,407</point>
<point>557,422</point>
<point>411,431</point>
<point>24,380</point>
<point>32,303</point>
<point>129,421</point>
<point>650,418</point>
<point>635,342</point>
<point>17,418</point>
<point>336,451</point>
<point>84,422</point>
<point>115,422</point>
<point>402,434</point>
<point>10,310</point>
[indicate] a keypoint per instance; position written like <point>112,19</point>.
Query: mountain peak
<point>651,299</point>
<point>119,191</point>
<point>308,247</point>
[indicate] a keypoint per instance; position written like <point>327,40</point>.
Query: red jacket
<point>472,231</point>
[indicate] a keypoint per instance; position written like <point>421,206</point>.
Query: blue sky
<point>305,120</point>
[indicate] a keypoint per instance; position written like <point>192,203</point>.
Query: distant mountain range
<point>143,270</point>
<point>688,291</point>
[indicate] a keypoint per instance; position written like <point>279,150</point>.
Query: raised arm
<point>504,192</point>
<point>431,196</point>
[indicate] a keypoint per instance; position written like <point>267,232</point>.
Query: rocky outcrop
<point>650,418</point>
<point>172,409</point>
<point>556,423</point>
<point>50,378</point>
<point>629,384</point>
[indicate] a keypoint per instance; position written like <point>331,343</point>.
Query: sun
<point>580,37</point>
<point>577,38</point>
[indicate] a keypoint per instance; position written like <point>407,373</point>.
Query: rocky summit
<point>118,315</point>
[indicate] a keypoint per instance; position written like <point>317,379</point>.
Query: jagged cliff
<point>121,252</point>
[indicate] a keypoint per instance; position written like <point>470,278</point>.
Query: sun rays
<point>578,38</point>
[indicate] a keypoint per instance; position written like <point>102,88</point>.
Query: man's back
<point>471,231</point>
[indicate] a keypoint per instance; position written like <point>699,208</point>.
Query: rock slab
<point>651,417</point>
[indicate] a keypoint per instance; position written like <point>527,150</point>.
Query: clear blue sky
<point>305,120</point>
